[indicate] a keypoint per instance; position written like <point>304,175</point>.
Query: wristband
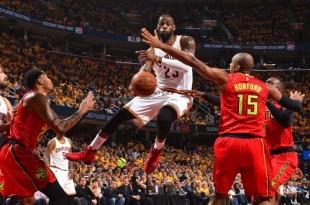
<point>158,59</point>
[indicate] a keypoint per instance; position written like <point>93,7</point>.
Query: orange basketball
<point>143,84</point>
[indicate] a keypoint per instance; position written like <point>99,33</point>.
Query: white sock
<point>97,142</point>
<point>159,145</point>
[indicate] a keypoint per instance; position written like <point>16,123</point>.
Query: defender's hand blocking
<point>297,96</point>
<point>193,93</point>
<point>150,39</point>
<point>88,103</point>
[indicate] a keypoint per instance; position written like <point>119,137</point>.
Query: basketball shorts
<point>25,172</point>
<point>247,156</point>
<point>146,108</point>
<point>284,165</point>
<point>64,180</point>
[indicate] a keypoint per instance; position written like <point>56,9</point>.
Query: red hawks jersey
<point>277,136</point>
<point>243,106</point>
<point>27,128</point>
<point>1,183</point>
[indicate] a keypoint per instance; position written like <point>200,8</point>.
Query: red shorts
<point>24,172</point>
<point>250,157</point>
<point>284,165</point>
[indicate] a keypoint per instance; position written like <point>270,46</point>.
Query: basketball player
<point>6,115</point>
<point>279,137</point>
<point>167,106</point>
<point>25,172</point>
<point>241,130</point>
<point>54,157</point>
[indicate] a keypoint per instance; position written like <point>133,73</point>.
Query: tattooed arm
<point>39,103</point>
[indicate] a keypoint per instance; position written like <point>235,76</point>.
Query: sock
<point>159,145</point>
<point>97,142</point>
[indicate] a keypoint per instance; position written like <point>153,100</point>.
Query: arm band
<point>284,117</point>
<point>175,64</point>
<point>287,102</point>
<point>216,100</point>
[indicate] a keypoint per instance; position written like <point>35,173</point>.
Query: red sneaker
<point>152,161</point>
<point>86,156</point>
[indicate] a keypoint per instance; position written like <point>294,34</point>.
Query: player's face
<point>275,82</point>
<point>47,82</point>
<point>165,27</point>
<point>3,79</point>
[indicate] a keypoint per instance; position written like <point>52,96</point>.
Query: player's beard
<point>165,37</point>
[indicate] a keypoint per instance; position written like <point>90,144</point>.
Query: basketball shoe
<point>153,160</point>
<point>86,156</point>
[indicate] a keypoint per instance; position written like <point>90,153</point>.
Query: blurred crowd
<point>257,22</point>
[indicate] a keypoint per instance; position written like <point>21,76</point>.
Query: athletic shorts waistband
<point>241,136</point>
<point>282,150</point>
<point>14,142</point>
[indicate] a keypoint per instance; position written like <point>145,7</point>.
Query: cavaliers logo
<point>1,186</point>
<point>41,173</point>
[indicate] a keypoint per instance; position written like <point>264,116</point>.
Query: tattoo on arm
<point>41,105</point>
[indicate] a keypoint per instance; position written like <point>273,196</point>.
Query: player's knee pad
<point>120,117</point>
<point>165,118</point>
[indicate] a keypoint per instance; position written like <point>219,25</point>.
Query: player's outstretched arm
<point>214,74</point>
<point>216,100</point>
<point>40,104</point>
<point>285,117</point>
<point>292,104</point>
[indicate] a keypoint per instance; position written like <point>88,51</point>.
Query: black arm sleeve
<point>285,117</point>
<point>216,100</point>
<point>287,102</point>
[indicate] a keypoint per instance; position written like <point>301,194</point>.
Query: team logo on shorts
<point>41,173</point>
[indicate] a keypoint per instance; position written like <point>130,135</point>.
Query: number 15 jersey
<point>243,106</point>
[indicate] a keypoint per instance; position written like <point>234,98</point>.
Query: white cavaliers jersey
<point>168,77</point>
<point>57,156</point>
<point>3,109</point>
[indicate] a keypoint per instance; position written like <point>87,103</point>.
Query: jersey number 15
<point>250,101</point>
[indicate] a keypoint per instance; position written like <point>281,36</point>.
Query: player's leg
<point>165,118</point>
<point>259,171</point>
<point>88,155</point>
<point>225,168</point>
<point>56,194</point>
<point>27,200</point>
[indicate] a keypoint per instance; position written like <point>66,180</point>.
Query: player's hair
<point>166,15</point>
<point>31,77</point>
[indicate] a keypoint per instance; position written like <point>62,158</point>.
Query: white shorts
<point>63,179</point>
<point>146,108</point>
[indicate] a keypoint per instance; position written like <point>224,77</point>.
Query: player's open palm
<point>297,96</point>
<point>150,39</point>
<point>88,103</point>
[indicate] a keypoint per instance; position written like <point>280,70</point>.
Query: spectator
<point>84,193</point>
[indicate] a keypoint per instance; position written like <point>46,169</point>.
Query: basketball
<point>143,84</point>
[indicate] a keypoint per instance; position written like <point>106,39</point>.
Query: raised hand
<point>297,96</point>
<point>150,39</point>
<point>88,103</point>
